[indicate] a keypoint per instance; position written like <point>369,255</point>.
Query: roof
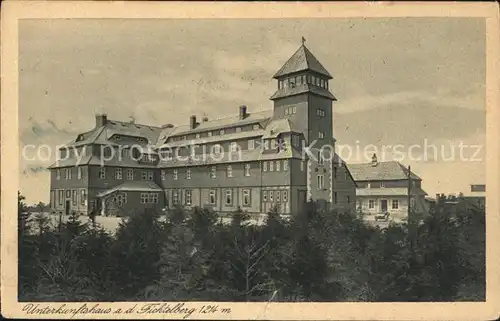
<point>301,89</point>
<point>133,186</point>
<point>231,121</point>
<point>391,191</point>
<point>302,60</point>
<point>383,171</point>
<point>102,135</point>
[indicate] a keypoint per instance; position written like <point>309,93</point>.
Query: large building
<point>383,188</point>
<point>255,161</point>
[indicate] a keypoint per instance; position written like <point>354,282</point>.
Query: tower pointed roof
<point>302,60</point>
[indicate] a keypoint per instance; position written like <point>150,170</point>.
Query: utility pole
<point>411,226</point>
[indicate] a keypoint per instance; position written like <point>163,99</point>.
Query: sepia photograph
<point>200,166</point>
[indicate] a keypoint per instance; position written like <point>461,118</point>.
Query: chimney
<point>204,119</point>
<point>100,120</point>
<point>243,112</point>
<point>192,122</point>
<point>374,160</point>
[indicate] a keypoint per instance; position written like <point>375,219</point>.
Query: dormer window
<point>256,127</point>
<point>222,132</point>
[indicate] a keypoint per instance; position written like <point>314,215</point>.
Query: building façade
<point>279,158</point>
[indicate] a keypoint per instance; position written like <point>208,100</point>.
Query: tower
<point>303,96</point>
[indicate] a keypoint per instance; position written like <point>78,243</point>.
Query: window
<point>130,174</point>
<point>412,202</point>
<point>188,173</point>
<point>61,196</point>
<point>264,196</point>
<point>346,175</point>
<point>209,134</point>
<point>175,197</point>
<point>274,144</point>
<point>395,204</point>
<point>278,165</point>
<point>313,80</point>
<point>102,172</point>
<point>256,127</point>
<point>144,175</point>
<point>124,153</point>
<point>335,198</point>
<point>286,111</point>
<point>58,174</point>
<point>321,135</point>
<point>371,204</point>
<point>246,197</point>
<point>73,197</point>
<point>285,165</point>
<point>83,197</point>
<point>222,131</point>
<point>175,174</point>
<point>271,166</point>
<point>79,172</point>
<point>264,166</point>
<point>233,147</point>
<point>277,196</point>
<point>118,173</point>
<point>68,193</point>
<point>148,198</point>
<point>211,197</point>
<point>163,174</point>
<point>335,172</point>
<point>213,172</point>
<point>295,141</point>
<point>229,197</point>
<point>238,129</point>
<point>188,197</point>
<point>321,182</point>
<point>368,185</point>
<point>285,196</point>
<point>348,199</point>
<point>144,198</point>
<point>217,149</point>
<point>266,144</point>
<point>251,144</point>
<point>270,196</point>
<point>229,171</point>
<point>247,169</point>
<point>294,109</point>
<point>382,184</point>
<point>298,80</point>
<point>150,176</point>
<point>322,83</point>
<point>320,158</point>
<point>68,173</point>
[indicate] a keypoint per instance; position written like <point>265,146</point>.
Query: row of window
<point>267,196</point>
<point>210,133</point>
<point>303,79</point>
<point>320,112</point>
<point>270,166</point>
<point>149,198</point>
<point>394,203</point>
<point>275,196</point>
<point>145,175</point>
<point>63,195</point>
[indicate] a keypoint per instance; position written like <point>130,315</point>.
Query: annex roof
<point>382,171</point>
<point>133,186</point>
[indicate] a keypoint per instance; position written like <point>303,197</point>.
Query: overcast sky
<point>398,81</point>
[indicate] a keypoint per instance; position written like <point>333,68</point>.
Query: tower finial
<point>303,40</point>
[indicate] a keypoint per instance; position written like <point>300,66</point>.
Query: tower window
<point>322,83</point>
<point>299,80</point>
<point>313,80</point>
<point>304,79</point>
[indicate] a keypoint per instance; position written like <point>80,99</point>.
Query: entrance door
<point>68,206</point>
<point>383,206</point>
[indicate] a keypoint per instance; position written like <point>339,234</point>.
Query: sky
<point>398,81</point>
